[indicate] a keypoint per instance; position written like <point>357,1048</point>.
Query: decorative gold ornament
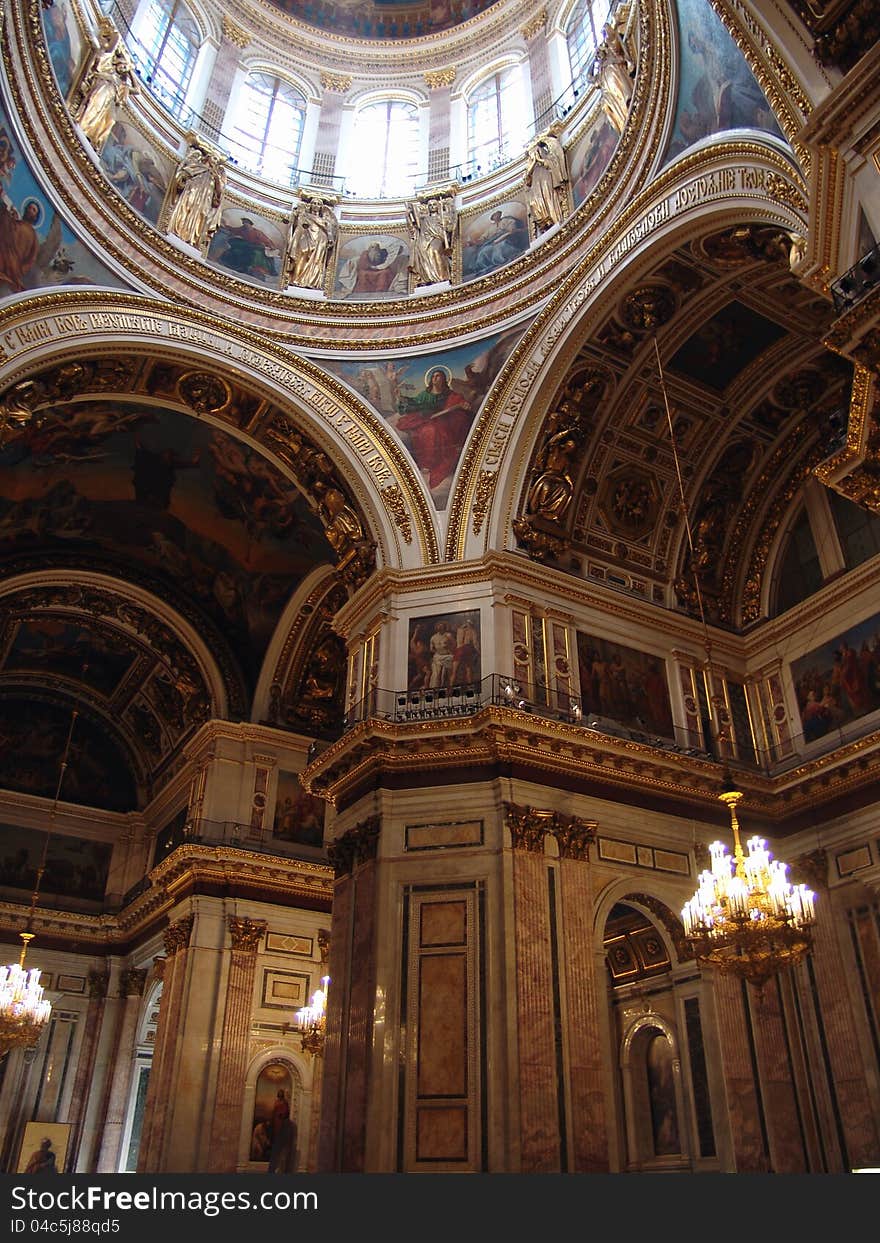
<point>435,78</point>
<point>312,1020</point>
<point>339,82</point>
<point>234,34</point>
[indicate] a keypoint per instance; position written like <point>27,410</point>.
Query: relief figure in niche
<point>551,490</point>
<point>198,188</point>
<point>108,83</point>
<point>432,224</point>
<point>312,238</point>
<point>616,70</point>
<point>546,182</point>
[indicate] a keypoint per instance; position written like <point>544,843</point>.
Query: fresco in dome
<point>625,685</point>
<point>495,237</point>
<point>721,347</point>
<point>250,245</point>
<point>138,169</point>
<point>36,248</point>
<point>187,506</point>
<point>60,647</point>
<point>75,868</point>
<point>383,19</point>
<point>839,681</point>
<point>375,266</point>
<point>33,734</point>
<point>431,400</point>
<point>590,156</point>
<point>717,89</point>
<point>64,42</point>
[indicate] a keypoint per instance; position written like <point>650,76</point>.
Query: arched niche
<point>274,1069</point>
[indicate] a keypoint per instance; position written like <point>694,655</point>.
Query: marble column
<point>836,1028</point>
<point>349,1034</point>
<point>228,1102</point>
<point>85,1068</point>
<point>157,1104</point>
<point>539,1101</point>
<point>588,1144</point>
<point>743,1101</point>
<point>787,1148</point>
<point>131,988</point>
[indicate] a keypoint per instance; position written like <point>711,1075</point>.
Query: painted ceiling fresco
<point>33,733</point>
<point>163,499</point>
<point>717,89</point>
<point>37,249</point>
<point>383,19</point>
<point>431,400</point>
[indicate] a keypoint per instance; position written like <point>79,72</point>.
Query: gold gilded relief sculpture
<point>197,191</point>
<point>313,234</point>
<point>546,182</point>
<point>616,69</point>
<point>108,82</point>
<point>432,230</point>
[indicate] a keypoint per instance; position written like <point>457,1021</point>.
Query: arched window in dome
<point>583,34</point>
<point>267,127</point>
<point>385,149</point>
<point>167,42</point>
<point>496,119</point>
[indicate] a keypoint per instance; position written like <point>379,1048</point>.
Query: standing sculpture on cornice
<point>432,228</point>
<point>615,68</point>
<point>546,182</point>
<point>197,188</point>
<point>108,82</point>
<point>313,233</point>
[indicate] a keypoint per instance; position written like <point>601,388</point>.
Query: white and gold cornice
<point>500,737</point>
<point>273,879</point>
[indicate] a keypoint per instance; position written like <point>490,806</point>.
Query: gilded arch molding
<point>734,181</point>
<point>46,330</point>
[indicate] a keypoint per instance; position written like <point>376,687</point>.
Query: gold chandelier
<point>24,1011</point>
<point>312,1020</point>
<point>746,918</point>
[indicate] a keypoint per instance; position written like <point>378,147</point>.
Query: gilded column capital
<point>354,847</point>
<point>132,982</point>
<point>527,827</point>
<point>339,82</point>
<point>435,78</point>
<point>176,937</point>
<point>97,983</point>
<point>812,868</point>
<point>534,25</point>
<point>235,34</point>
<point>246,933</point>
<point>574,836</point>
<point>530,825</point>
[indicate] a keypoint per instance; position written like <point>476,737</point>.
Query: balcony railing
<point>442,702</point>
<point>855,284</point>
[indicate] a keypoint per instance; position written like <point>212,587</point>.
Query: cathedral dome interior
<point>438,464</point>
